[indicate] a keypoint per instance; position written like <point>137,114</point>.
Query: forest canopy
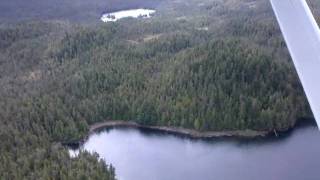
<point>206,65</point>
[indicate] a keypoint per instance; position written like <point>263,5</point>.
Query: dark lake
<point>143,155</point>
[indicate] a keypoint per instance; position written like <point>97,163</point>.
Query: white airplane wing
<point>302,36</point>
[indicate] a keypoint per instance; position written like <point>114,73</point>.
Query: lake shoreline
<point>130,149</point>
<point>180,131</point>
<point>190,133</point>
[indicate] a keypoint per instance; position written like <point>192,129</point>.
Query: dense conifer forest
<point>200,64</point>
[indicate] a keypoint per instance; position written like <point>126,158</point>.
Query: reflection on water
<point>139,155</point>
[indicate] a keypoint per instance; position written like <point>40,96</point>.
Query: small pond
<point>134,13</point>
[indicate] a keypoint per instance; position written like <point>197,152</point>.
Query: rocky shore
<point>181,131</point>
<point>248,134</point>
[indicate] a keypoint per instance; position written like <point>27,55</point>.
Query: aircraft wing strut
<point>302,36</point>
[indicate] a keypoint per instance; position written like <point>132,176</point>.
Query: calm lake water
<point>144,155</point>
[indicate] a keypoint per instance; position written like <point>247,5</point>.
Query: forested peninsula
<point>202,65</point>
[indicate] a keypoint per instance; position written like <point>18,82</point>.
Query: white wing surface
<point>302,36</point>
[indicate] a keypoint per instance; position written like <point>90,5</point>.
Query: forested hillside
<point>201,64</point>
<point>77,11</point>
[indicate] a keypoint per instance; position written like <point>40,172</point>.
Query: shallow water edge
<point>191,133</point>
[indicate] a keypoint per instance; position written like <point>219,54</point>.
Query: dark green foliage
<point>214,67</point>
<point>53,163</point>
<point>225,85</point>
